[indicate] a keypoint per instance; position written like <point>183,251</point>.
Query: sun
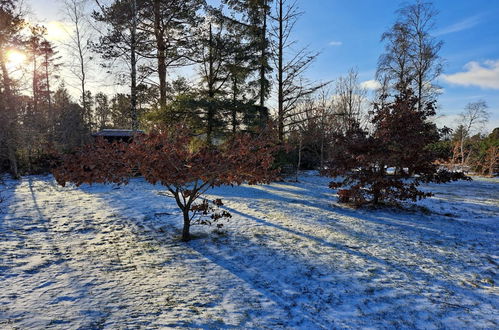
<point>15,58</point>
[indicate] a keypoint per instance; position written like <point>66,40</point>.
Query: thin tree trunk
<point>420,93</point>
<point>462,151</point>
<point>82,64</point>
<point>321,164</point>
<point>263,57</point>
<point>34,85</point>
<point>468,157</point>
<point>211,93</point>
<point>234,102</point>
<point>133,64</point>
<point>34,110</point>
<point>280,74</point>
<point>323,137</point>
<point>161,53</point>
<point>47,81</point>
<point>299,158</point>
<point>13,162</point>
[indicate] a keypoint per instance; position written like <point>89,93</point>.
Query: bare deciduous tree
<point>122,40</point>
<point>411,57</point>
<point>474,116</point>
<point>312,127</point>
<point>394,65</point>
<point>78,46</point>
<point>349,101</point>
<point>425,61</point>
<point>290,65</point>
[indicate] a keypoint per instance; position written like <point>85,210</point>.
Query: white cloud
<point>465,24</point>
<point>370,84</point>
<point>335,43</point>
<point>476,74</point>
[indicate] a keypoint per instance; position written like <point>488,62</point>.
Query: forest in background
<point>248,72</point>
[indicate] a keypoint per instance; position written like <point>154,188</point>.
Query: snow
<point>110,257</point>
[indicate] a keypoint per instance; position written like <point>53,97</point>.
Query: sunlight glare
<point>57,31</point>
<point>15,58</point>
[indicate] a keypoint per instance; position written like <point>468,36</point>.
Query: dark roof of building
<point>118,132</point>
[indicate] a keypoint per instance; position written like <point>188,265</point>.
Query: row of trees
<point>238,49</point>
<point>33,115</point>
<point>411,61</point>
<point>467,147</point>
<point>243,53</point>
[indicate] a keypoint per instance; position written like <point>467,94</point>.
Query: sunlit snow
<point>108,256</point>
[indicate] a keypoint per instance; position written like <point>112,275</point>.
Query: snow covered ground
<point>110,257</point>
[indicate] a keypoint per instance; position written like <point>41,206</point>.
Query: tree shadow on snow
<point>261,271</point>
<point>276,276</point>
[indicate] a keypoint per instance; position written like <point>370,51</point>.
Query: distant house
<point>125,135</point>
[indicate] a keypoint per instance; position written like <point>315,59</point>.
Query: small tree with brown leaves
<point>391,163</point>
<point>169,157</point>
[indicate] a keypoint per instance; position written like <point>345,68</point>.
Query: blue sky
<point>348,35</point>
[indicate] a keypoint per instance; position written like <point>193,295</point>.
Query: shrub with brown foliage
<point>169,157</point>
<point>399,143</point>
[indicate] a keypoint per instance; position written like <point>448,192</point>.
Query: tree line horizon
<point>244,54</point>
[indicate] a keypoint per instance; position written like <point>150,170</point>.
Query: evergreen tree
<point>102,110</point>
<point>120,111</point>
<point>171,29</point>
<point>71,127</point>
<point>122,40</point>
<point>253,15</point>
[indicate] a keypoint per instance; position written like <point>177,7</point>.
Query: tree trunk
<point>234,120</point>
<point>47,81</point>
<point>81,58</point>
<point>299,158</point>
<point>133,64</point>
<point>321,165</point>
<point>161,53</point>
<point>34,85</point>
<point>462,152</point>
<point>263,56</point>
<point>186,236</point>
<point>468,157</point>
<point>420,93</point>
<point>211,92</point>
<point>493,160</point>
<point>376,191</point>
<point>13,162</point>
<point>375,196</point>
<point>210,118</point>
<point>234,105</point>
<point>280,74</point>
